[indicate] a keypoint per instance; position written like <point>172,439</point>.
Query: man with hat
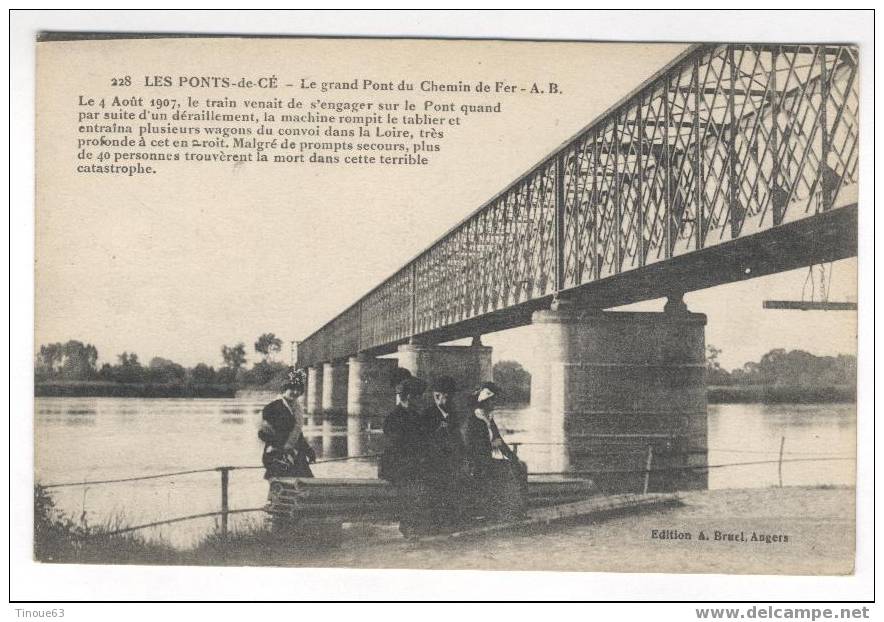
<point>439,415</point>
<point>441,421</point>
<point>286,451</point>
<point>404,436</point>
<point>443,470</point>
<point>407,458</point>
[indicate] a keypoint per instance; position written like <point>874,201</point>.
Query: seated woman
<point>286,451</point>
<point>498,477</point>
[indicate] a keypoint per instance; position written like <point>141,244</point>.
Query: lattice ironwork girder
<point>724,135</point>
<point>804,48</point>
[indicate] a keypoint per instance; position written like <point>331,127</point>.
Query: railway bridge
<point>734,161</point>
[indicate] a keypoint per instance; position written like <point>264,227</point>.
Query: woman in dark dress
<point>480,433</point>
<point>286,451</point>
<point>498,485</point>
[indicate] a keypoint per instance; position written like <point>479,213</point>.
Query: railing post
<point>225,478</point>
<point>560,222</point>
<point>648,462</point>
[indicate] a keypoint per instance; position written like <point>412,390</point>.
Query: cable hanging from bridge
<point>821,289</point>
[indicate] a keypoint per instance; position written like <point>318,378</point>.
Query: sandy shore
<point>797,530</point>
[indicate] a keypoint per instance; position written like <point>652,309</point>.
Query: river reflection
<point>79,439</point>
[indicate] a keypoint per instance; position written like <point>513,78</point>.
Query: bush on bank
<point>61,539</point>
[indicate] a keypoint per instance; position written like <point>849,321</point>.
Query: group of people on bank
<point>445,455</point>
<point>448,460</point>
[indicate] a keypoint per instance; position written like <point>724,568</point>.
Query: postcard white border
<point>50,582</point>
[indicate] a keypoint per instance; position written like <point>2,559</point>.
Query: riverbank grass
<point>61,539</point>
<point>252,541</point>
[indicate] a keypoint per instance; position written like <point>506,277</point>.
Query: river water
<point>87,439</point>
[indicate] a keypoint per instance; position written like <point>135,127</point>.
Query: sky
<point>201,255</point>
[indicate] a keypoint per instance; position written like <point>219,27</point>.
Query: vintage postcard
<point>446,304</point>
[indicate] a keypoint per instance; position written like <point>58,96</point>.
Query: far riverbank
<point>733,394</point>
<point>141,390</point>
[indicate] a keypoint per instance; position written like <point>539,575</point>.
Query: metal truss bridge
<point>733,161</point>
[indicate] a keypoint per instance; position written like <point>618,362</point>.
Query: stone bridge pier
<point>313,395</point>
<point>334,387</point>
<point>361,386</point>
<point>469,365</point>
<point>630,388</point>
<point>368,385</point>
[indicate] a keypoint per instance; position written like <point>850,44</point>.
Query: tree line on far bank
<point>780,375</point>
<point>784,368</point>
<point>76,362</point>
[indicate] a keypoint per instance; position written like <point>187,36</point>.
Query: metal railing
<point>650,454</point>
<point>224,512</point>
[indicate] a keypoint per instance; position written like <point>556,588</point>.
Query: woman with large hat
<point>482,437</point>
<point>498,479</point>
<point>286,451</point>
